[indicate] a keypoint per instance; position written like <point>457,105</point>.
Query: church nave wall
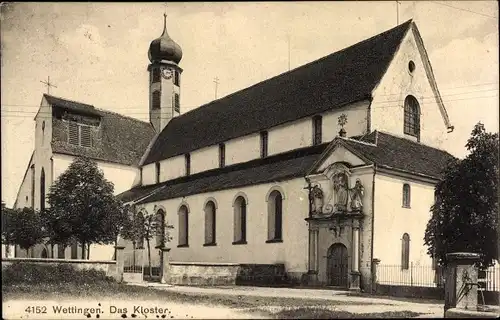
<point>292,250</point>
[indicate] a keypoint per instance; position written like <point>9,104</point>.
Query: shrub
<point>32,273</point>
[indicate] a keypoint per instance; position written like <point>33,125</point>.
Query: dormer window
<point>79,134</point>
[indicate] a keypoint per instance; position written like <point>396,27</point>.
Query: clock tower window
<point>156,75</point>
<point>177,104</point>
<point>156,100</point>
<point>177,79</point>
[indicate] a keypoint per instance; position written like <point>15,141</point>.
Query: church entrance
<point>337,267</point>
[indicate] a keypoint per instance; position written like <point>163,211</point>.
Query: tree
<point>465,214</point>
<point>82,207</point>
<point>24,228</point>
<point>144,227</point>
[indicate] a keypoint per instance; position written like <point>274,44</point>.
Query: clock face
<point>166,73</point>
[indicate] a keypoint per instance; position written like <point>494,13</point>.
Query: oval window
<point>411,66</point>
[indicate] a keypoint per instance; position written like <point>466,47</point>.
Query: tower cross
<point>216,81</point>
<point>397,12</point>
<point>48,84</point>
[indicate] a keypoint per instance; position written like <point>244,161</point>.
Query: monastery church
<point>322,169</point>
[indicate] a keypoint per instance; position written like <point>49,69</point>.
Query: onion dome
<point>164,48</point>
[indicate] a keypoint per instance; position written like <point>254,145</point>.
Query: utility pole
<point>216,81</point>
<point>48,84</point>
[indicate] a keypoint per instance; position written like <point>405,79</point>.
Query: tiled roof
<point>338,79</point>
<point>121,139</point>
<point>402,154</point>
<point>279,167</point>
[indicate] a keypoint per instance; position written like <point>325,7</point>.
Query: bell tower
<point>164,79</point>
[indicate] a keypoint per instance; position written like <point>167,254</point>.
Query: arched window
<point>42,190</point>
<point>275,216</point>
<point>183,227</point>
<point>33,186</point>
<point>240,221</point>
<point>405,252</point>
<point>210,223</point>
<point>406,195</point>
<point>160,228</point>
<point>412,117</point>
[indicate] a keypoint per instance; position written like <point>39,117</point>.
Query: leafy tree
<point>465,214</point>
<point>140,228</point>
<point>23,227</point>
<point>82,207</point>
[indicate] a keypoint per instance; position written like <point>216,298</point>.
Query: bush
<point>32,273</point>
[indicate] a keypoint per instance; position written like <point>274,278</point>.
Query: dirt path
<point>354,304</point>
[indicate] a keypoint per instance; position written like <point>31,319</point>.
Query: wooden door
<point>337,265</point>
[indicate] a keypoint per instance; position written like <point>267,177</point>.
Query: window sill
<point>213,244</point>
<point>406,207</point>
<point>183,246</point>
<point>274,241</point>
<point>239,242</point>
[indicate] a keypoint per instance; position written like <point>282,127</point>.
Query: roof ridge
<point>359,141</point>
<point>414,142</point>
<point>69,100</point>
<point>122,115</point>
<point>297,68</point>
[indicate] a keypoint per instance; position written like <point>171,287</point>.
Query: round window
<point>411,66</point>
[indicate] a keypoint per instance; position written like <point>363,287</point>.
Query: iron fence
<point>414,275</point>
<point>134,261</point>
<point>428,276</point>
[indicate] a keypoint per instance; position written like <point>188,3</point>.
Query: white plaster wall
<point>243,149</point>
<point>205,159</point>
<point>24,194</point>
<point>357,117</point>
<point>387,111</point>
<point>392,220</point>
<point>122,176</point>
<point>173,168</point>
<point>289,136</point>
<point>149,174</point>
<point>292,251</point>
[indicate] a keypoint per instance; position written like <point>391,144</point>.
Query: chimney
<point>342,133</point>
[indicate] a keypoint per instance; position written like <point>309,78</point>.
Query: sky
<point>96,53</point>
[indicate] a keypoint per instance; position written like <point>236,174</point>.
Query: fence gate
<point>133,269</point>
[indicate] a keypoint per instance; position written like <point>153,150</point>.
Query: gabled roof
<point>122,139</point>
<point>275,168</point>
<point>398,153</point>
<point>338,79</point>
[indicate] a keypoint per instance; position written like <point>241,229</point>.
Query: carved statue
<point>341,191</point>
<point>357,194</point>
<point>317,199</point>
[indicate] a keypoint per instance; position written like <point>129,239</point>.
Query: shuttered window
<point>73,136</point>
<point>79,134</point>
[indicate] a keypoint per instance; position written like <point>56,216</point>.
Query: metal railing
<point>427,276</point>
<point>134,261</point>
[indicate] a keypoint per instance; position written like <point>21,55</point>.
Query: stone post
<point>461,281</point>
<point>355,274</point>
<point>375,263</point>
<point>120,263</point>
<point>165,264</point>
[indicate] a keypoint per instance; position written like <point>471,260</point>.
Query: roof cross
<point>48,84</point>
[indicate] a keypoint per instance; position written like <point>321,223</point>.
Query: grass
<point>324,313</point>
